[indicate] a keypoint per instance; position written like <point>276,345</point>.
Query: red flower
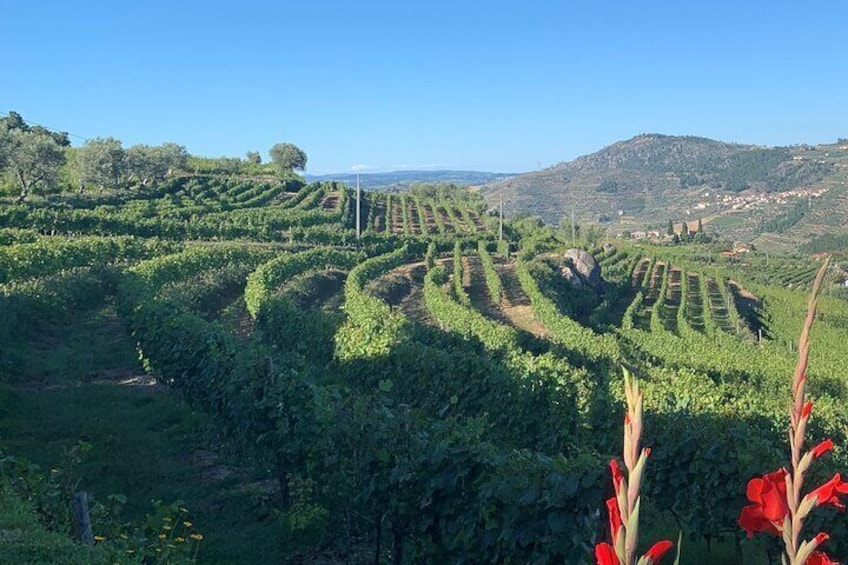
<point>769,508</point>
<point>614,517</point>
<point>819,558</point>
<point>822,448</point>
<point>658,550</point>
<point>617,475</point>
<point>605,554</point>
<point>829,492</point>
<point>805,412</point>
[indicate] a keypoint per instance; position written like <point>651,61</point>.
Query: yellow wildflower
<point>162,536</point>
<point>180,540</point>
<point>197,537</point>
<point>187,524</point>
<point>99,538</point>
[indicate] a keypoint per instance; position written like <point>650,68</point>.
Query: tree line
<point>34,158</point>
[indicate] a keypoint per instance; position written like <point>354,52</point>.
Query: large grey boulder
<point>571,277</point>
<point>584,265</point>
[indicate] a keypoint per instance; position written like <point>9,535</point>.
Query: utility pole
<point>500,225</point>
<point>358,204</point>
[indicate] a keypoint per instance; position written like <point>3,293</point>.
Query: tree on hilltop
<point>102,162</point>
<point>288,157</point>
<point>32,155</point>
<point>15,121</point>
<point>152,163</point>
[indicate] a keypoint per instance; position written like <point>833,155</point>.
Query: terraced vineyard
<point>405,215</point>
<point>427,394</point>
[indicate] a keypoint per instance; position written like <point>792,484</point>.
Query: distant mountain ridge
<point>656,153</point>
<point>400,180</point>
<point>698,160</point>
<point>651,178</point>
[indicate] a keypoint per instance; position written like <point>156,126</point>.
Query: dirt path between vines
<point>516,305</point>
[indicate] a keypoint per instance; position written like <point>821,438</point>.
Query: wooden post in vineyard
<point>268,367</point>
<point>500,225</point>
<point>82,519</point>
<point>282,463</point>
<point>358,194</point>
<point>270,380</point>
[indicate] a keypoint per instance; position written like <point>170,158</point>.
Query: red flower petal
<point>658,550</point>
<point>769,508</point>
<point>751,520</point>
<point>605,554</point>
<point>614,517</point>
<point>822,448</point>
<point>819,558</point>
<point>805,412</point>
<point>821,537</point>
<point>772,496</point>
<point>829,493</point>
<point>617,475</point>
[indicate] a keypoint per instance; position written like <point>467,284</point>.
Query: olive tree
<point>102,162</point>
<point>288,157</point>
<point>32,158</point>
<point>5,143</point>
<point>31,155</point>
<point>151,163</point>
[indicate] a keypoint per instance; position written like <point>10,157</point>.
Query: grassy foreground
<point>80,382</point>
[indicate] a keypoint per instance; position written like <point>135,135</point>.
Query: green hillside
<point>740,191</point>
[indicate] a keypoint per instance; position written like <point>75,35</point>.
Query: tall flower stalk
<point>623,508</point>
<point>778,506</point>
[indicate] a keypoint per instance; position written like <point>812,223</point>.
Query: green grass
<point>144,440</point>
<point>92,347</point>
<point>136,436</point>
<point>24,540</point>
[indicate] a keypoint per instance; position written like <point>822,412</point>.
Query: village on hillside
<point>714,203</point>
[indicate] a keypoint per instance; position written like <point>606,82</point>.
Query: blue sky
<point>498,86</point>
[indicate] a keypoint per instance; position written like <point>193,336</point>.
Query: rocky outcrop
<point>581,269</point>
